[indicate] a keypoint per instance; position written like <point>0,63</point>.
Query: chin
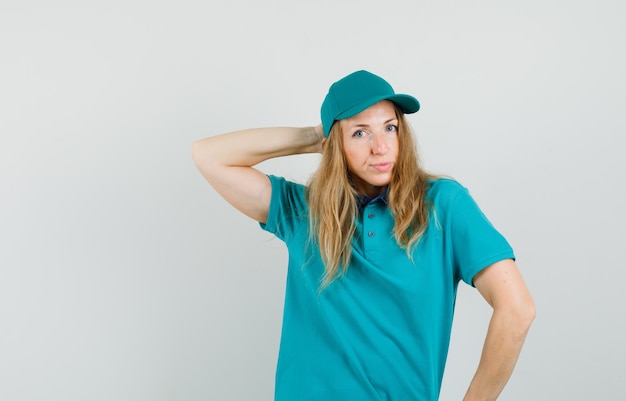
<point>380,181</point>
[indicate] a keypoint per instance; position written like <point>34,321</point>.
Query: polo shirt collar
<point>366,200</point>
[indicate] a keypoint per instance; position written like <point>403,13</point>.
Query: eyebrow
<point>367,125</point>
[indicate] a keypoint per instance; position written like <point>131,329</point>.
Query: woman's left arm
<point>503,287</point>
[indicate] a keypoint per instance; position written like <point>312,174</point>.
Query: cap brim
<point>408,104</point>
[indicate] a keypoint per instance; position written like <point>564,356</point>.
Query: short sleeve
<point>475,242</point>
<point>287,210</point>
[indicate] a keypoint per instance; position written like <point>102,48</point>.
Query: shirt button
<point>371,234</point>
<point>371,215</point>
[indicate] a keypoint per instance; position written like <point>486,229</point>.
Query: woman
<point>376,250</point>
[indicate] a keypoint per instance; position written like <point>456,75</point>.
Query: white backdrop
<point>124,277</point>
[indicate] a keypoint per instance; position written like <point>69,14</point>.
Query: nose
<point>378,143</point>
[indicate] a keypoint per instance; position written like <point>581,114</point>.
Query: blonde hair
<point>333,201</point>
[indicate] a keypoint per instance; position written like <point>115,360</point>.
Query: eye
<point>392,128</point>
<point>359,134</point>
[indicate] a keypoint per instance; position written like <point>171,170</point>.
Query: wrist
<point>314,138</point>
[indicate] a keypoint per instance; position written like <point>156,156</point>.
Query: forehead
<point>379,112</point>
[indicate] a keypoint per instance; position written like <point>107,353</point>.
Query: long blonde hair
<point>333,201</point>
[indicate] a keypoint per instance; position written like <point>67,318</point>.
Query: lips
<point>382,167</point>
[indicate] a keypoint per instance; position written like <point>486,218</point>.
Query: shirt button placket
<point>369,229</point>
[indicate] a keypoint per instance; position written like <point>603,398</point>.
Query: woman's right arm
<point>226,161</point>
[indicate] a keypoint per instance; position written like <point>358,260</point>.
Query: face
<point>370,144</point>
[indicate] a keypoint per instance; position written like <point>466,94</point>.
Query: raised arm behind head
<point>226,161</point>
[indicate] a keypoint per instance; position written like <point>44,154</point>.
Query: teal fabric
<point>381,332</point>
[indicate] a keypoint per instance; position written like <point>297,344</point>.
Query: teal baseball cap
<point>356,92</point>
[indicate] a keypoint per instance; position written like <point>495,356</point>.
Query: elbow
<point>528,315</point>
<point>197,152</point>
<point>528,310</point>
<point>523,315</point>
<point>517,316</point>
<point>204,159</point>
<point>201,154</point>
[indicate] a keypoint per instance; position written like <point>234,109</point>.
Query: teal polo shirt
<point>381,331</point>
